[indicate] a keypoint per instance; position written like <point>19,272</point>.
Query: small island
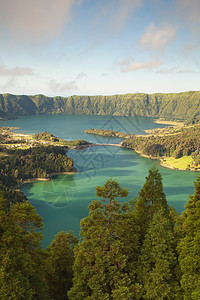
<point>108,133</point>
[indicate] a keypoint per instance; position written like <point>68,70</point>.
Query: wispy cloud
<point>186,71</point>
<point>175,70</point>
<point>81,76</point>
<point>66,86</point>
<point>135,66</point>
<point>158,38</point>
<point>167,70</point>
<point>58,87</point>
<point>16,71</point>
<point>104,74</point>
<point>35,20</point>
<point>126,61</point>
<point>10,77</point>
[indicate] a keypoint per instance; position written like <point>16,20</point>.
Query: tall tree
<point>22,274</point>
<point>151,197</point>
<point>189,246</point>
<point>59,265</point>
<point>159,261</point>
<point>100,260</point>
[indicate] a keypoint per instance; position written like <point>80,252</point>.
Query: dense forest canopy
<point>175,143</point>
<point>184,105</point>
<point>141,249</point>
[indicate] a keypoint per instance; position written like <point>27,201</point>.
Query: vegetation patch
<point>108,133</point>
<point>185,162</point>
<point>184,105</point>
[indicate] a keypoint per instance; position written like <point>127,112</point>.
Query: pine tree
<point>22,273</point>
<point>59,265</point>
<point>100,260</point>
<point>151,197</point>
<point>159,260</point>
<point>189,246</point>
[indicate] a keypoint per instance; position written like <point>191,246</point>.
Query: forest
<point>184,105</point>
<point>38,162</point>
<point>141,249</point>
<point>174,143</point>
<point>108,133</point>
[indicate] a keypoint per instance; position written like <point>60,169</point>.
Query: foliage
<point>176,143</point>
<point>109,133</point>
<point>45,136</point>
<point>59,265</point>
<point>189,246</point>
<point>33,163</point>
<point>12,196</point>
<point>126,251</point>
<point>100,258</point>
<point>175,105</point>
<point>22,273</point>
<point>151,197</point>
<point>159,260</point>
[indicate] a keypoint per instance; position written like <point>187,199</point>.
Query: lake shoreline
<point>48,178</point>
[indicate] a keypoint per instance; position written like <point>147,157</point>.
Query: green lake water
<point>63,201</point>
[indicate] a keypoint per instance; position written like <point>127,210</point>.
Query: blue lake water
<point>63,201</point>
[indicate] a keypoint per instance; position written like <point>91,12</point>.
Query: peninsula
<point>177,146</point>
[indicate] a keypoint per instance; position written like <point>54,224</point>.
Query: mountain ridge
<point>184,105</point>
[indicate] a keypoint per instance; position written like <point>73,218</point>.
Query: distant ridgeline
<point>175,105</point>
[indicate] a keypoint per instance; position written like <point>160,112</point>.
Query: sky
<point>92,47</point>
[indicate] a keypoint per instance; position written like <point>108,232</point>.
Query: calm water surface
<point>63,201</point>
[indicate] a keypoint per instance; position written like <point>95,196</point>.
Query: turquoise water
<point>71,126</point>
<point>63,201</point>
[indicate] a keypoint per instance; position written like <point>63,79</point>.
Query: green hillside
<point>176,105</point>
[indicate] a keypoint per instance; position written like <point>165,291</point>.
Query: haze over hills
<point>184,105</point>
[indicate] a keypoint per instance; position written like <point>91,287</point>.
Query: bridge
<point>115,145</point>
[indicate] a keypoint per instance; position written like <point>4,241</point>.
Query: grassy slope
<point>175,105</point>
<point>179,163</point>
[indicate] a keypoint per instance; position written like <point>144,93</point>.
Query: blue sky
<point>90,47</point>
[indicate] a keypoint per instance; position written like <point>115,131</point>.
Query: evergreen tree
<point>100,260</point>
<point>59,265</point>
<point>150,199</point>
<point>189,246</point>
<point>159,260</point>
<point>21,257</point>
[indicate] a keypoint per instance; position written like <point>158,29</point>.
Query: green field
<point>179,163</point>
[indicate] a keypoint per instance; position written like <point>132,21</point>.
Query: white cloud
<point>66,86</point>
<point>104,74</point>
<point>167,71</point>
<point>126,61</point>
<point>175,70</point>
<point>81,76</point>
<point>186,71</point>
<point>35,20</point>
<point>58,87</point>
<point>158,38</point>
<point>135,66</point>
<point>16,71</point>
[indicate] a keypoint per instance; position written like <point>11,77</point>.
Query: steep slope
<point>175,105</point>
